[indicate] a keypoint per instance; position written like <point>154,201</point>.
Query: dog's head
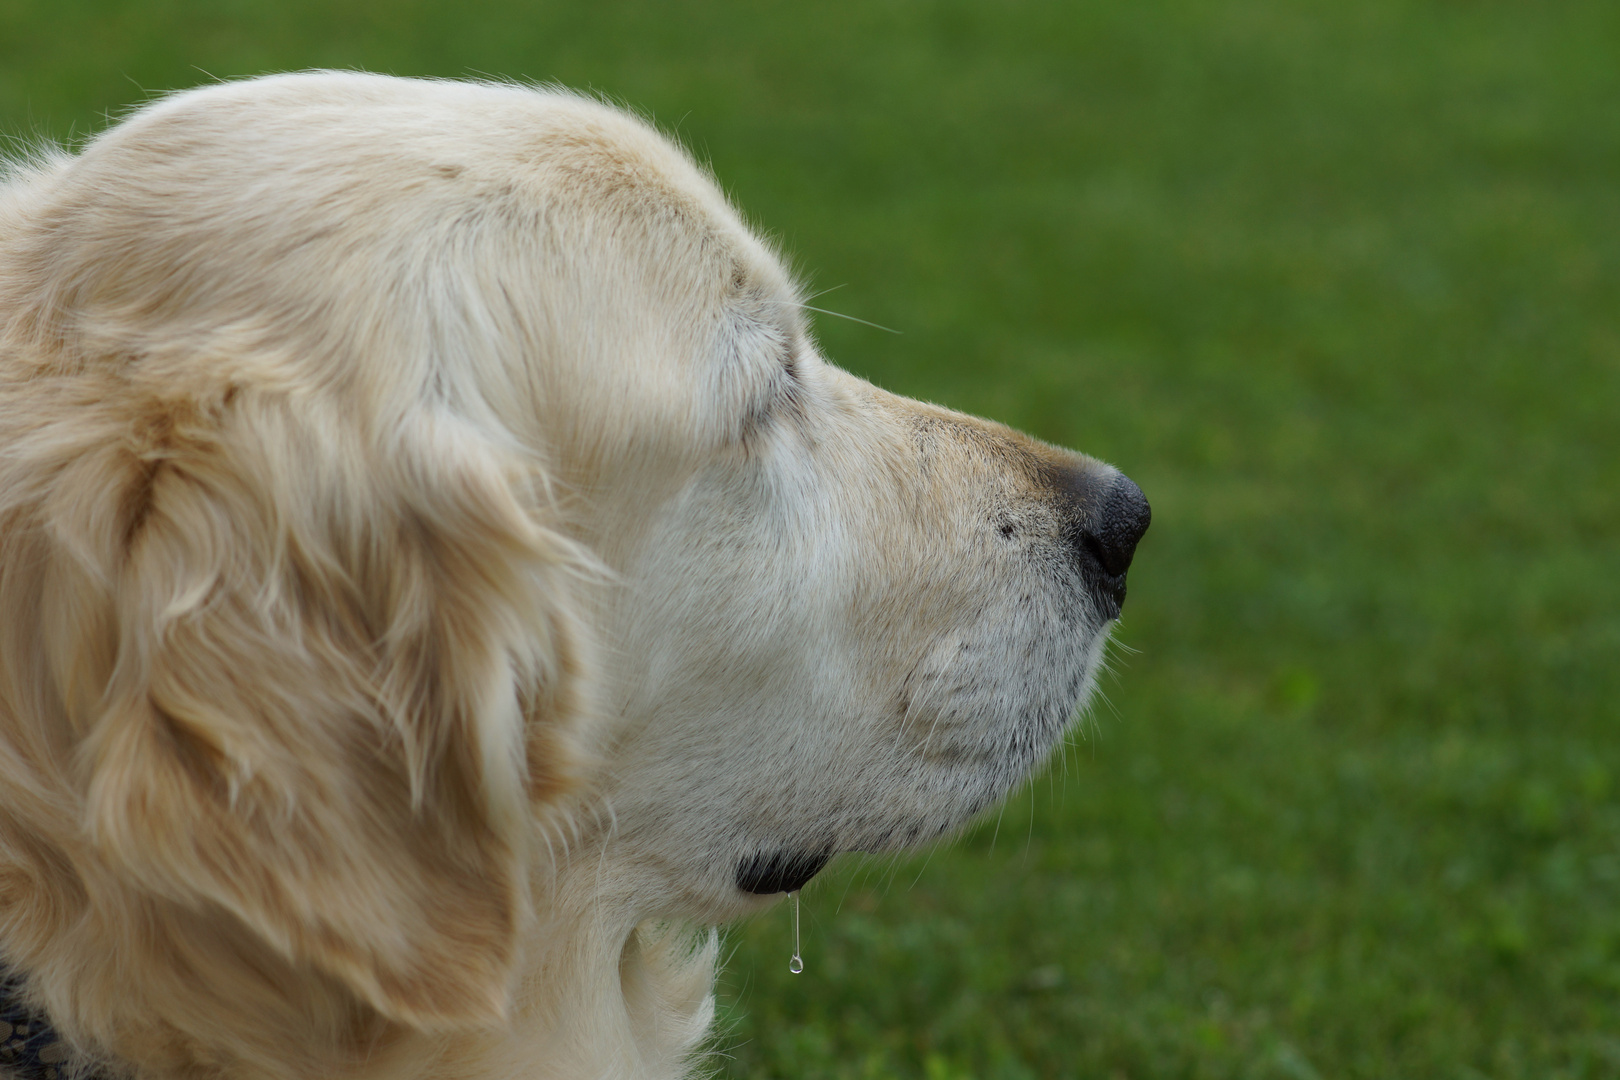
<point>425,508</point>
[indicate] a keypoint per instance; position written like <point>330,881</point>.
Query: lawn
<point>1339,285</point>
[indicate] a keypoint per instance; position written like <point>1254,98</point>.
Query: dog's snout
<point>1104,517</point>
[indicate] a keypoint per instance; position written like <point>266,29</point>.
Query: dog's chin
<point>958,783</point>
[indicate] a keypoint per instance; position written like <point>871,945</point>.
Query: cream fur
<point>433,556</point>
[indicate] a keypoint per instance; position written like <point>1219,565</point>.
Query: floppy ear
<point>339,689</point>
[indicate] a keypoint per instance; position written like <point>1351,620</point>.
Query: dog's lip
<point>1106,590</point>
<point>1111,595</point>
<point>766,873</point>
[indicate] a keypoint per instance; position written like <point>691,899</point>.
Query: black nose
<point>1104,518</point>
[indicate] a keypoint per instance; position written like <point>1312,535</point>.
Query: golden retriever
<point>437,565</point>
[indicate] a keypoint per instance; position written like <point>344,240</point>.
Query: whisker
<point>836,314</point>
<point>824,292</point>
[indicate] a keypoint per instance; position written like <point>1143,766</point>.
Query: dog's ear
<point>338,671</point>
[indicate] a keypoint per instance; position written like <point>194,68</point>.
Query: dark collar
<point>29,1048</point>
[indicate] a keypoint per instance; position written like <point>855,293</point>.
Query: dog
<point>439,569</point>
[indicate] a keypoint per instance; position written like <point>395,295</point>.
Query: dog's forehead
<point>407,139</point>
<point>536,225</point>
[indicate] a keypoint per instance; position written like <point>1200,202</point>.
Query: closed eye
<point>784,398</point>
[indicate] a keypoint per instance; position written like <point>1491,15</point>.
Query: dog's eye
<point>789,387</point>
<point>783,398</point>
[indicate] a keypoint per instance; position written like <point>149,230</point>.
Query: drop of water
<point>796,965</point>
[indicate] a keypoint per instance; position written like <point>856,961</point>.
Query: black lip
<point>766,873</point>
<point>1107,589</point>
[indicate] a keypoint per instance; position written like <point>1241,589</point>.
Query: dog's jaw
<point>922,667</point>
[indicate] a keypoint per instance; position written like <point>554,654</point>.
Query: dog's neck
<point>600,990</point>
<point>639,1005</point>
<point>640,996</point>
<point>640,1010</point>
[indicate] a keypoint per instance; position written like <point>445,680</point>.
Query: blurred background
<point>1336,283</point>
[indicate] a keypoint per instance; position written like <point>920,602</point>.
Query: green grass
<point>1337,284</point>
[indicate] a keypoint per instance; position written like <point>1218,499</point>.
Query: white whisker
<point>836,314</point>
